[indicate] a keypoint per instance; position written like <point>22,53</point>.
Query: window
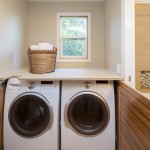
<point>74,41</point>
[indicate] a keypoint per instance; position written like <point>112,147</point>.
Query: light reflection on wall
<point>12,34</point>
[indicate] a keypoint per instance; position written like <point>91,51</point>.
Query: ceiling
<point>142,1</point>
<point>137,1</point>
<point>66,0</point>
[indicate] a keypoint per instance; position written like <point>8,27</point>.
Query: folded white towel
<point>51,47</point>
<point>34,47</point>
<point>42,46</point>
<point>45,46</point>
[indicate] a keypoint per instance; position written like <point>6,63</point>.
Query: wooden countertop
<point>65,74</point>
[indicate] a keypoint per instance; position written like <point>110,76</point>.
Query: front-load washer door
<point>88,113</point>
<point>30,115</point>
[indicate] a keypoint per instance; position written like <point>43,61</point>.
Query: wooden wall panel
<point>133,119</point>
<point>1,116</point>
<point>142,42</point>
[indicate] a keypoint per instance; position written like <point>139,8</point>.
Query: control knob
<point>31,86</point>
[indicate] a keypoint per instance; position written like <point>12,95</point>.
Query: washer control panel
<point>40,85</point>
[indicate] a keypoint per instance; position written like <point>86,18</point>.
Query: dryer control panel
<point>98,83</point>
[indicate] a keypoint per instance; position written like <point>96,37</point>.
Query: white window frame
<point>87,57</point>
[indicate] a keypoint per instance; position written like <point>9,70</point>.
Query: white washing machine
<point>31,115</point>
<point>87,115</point>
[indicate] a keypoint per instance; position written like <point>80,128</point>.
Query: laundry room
<point>67,77</point>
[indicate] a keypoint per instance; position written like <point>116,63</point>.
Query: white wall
<point>112,34</point>
<point>120,38</point>
<point>13,34</point>
<point>43,27</point>
<point>128,40</point>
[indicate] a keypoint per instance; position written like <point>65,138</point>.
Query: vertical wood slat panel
<point>133,119</point>
<point>1,116</point>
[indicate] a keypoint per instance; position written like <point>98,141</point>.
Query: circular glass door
<point>88,113</point>
<point>29,115</point>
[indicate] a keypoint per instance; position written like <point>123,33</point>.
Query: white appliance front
<point>87,115</point>
<point>31,115</point>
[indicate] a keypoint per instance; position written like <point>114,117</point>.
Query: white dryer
<point>31,115</point>
<point>87,115</point>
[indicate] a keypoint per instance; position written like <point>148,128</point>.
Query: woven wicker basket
<point>42,61</point>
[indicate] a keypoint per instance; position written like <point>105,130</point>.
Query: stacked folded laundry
<point>42,46</point>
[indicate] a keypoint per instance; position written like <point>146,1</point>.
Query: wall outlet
<point>119,68</point>
<point>129,78</point>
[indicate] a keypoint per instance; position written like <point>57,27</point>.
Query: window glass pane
<point>73,26</point>
<point>73,47</point>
